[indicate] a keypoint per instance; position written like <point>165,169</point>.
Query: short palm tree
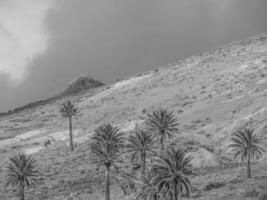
<point>106,147</point>
<point>141,145</point>
<point>148,189</point>
<point>247,146</point>
<point>68,110</point>
<point>172,169</point>
<point>126,181</point>
<point>162,123</point>
<point>21,171</point>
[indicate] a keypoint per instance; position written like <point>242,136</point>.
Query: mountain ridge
<point>259,37</point>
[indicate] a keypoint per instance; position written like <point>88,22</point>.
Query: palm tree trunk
<point>21,191</point>
<point>107,194</point>
<point>143,157</point>
<point>71,137</point>
<point>161,143</point>
<point>171,196</point>
<point>248,167</point>
<point>175,193</point>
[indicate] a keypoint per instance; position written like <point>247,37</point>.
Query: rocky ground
<point>212,94</point>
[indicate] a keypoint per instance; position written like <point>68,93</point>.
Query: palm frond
<point>172,169</point>
<point>106,145</point>
<point>162,123</point>
<point>21,169</point>
<point>140,143</point>
<point>68,109</point>
<point>246,143</point>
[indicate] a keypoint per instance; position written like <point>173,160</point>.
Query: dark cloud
<point>109,39</point>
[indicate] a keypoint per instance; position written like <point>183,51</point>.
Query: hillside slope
<point>212,94</point>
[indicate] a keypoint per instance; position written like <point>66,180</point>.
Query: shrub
<point>213,185</point>
<point>252,193</point>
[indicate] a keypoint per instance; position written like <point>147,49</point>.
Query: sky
<point>47,43</point>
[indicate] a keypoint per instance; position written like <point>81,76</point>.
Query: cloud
<point>23,35</point>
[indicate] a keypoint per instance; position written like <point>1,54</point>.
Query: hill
<point>212,94</point>
<point>83,83</point>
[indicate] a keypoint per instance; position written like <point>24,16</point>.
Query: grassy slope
<point>211,93</point>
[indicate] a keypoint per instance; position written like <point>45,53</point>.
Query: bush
<point>213,185</point>
<point>48,142</point>
<point>252,193</point>
<point>263,197</point>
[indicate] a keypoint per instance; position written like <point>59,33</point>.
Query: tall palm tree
<point>162,123</point>
<point>106,146</point>
<point>148,188</point>
<point>172,169</point>
<point>141,145</point>
<point>247,146</point>
<point>21,171</point>
<point>68,110</point>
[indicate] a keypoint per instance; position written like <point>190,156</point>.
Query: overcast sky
<point>46,43</point>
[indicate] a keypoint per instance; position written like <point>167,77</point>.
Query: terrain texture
<point>212,95</point>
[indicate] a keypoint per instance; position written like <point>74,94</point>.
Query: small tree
<point>68,110</point>
<point>172,169</point>
<point>162,123</point>
<point>106,146</point>
<point>21,171</point>
<point>141,145</point>
<point>246,145</point>
<point>148,190</point>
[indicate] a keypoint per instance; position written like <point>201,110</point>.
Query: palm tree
<point>172,169</point>
<point>141,145</point>
<point>247,146</point>
<point>148,189</point>
<point>68,110</point>
<point>162,123</point>
<point>126,181</point>
<point>106,146</point>
<point>21,171</point>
